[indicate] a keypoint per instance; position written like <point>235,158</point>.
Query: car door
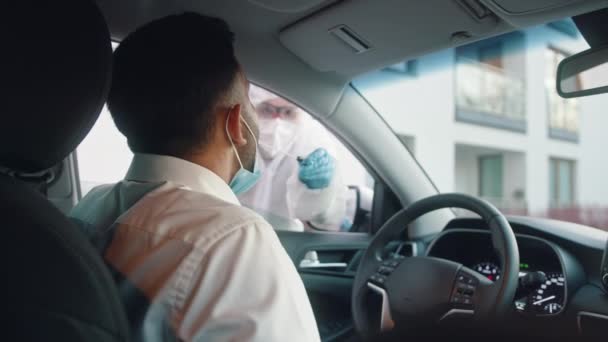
<point>326,250</point>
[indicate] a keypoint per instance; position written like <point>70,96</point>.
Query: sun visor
<point>288,6</point>
<point>521,13</point>
<point>352,37</point>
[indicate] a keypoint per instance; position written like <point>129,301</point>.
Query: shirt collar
<point>159,168</point>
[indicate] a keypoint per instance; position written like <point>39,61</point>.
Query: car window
<point>310,180</point>
<point>487,120</point>
<point>103,156</point>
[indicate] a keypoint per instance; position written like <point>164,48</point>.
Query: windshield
<point>485,119</point>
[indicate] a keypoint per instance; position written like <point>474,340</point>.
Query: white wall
<point>593,164</point>
<point>422,107</point>
<point>514,174</point>
<point>466,172</point>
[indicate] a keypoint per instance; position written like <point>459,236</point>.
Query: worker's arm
<point>315,193</point>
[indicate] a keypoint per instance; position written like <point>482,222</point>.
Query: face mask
<point>276,135</point>
<point>244,179</point>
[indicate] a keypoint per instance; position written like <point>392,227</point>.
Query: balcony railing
<point>506,206</point>
<point>593,216</point>
<point>485,90</point>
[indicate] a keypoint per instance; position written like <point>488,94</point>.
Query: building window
<point>562,185</point>
<point>491,55</point>
<point>563,113</point>
<point>490,85</point>
<point>491,177</point>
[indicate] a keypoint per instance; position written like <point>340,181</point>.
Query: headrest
<point>56,66</point>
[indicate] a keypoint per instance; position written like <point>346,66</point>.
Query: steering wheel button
<point>385,270</point>
<point>391,263</point>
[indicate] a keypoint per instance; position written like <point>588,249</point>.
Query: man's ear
<point>235,128</point>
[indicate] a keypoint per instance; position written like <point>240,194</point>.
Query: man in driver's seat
<point>208,268</point>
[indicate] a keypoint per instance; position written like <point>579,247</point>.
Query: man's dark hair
<point>168,78</point>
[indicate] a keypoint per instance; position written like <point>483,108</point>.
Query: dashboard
<point>575,303</point>
<point>543,284</point>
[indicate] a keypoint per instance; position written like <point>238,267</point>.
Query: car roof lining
<point>285,46</point>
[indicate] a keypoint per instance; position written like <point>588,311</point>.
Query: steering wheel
<point>416,289</point>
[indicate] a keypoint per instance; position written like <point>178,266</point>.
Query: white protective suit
<point>279,195</point>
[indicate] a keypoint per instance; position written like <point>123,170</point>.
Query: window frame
<point>480,161</point>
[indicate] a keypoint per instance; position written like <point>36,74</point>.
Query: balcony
<point>563,116</point>
<point>489,96</point>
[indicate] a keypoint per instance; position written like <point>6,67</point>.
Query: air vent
<point>350,38</point>
<point>406,249</point>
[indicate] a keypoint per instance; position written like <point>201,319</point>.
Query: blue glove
<point>317,170</point>
<point>346,225</point>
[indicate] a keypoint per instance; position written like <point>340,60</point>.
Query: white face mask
<point>276,136</point>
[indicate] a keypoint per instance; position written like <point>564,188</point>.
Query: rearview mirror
<point>583,74</point>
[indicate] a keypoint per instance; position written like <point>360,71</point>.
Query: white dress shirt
<point>209,269</point>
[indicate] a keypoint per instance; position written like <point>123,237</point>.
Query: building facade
<point>485,119</point>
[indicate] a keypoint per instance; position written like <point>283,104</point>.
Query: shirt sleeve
<point>246,288</point>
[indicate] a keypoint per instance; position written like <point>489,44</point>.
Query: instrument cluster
<point>542,289</point>
<point>540,292</point>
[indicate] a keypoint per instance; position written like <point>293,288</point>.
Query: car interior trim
<point>588,314</point>
<point>386,319</point>
<point>457,312</point>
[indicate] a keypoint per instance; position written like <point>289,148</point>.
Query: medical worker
<point>300,184</point>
